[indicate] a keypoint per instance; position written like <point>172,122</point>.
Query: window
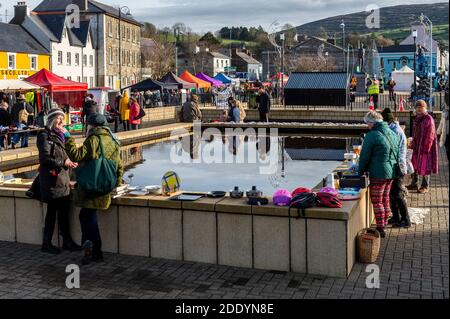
<point>78,78</point>
<point>134,59</point>
<point>69,78</point>
<point>33,62</point>
<point>111,81</point>
<point>84,79</point>
<point>217,63</point>
<point>60,57</point>
<point>128,34</point>
<point>124,36</point>
<point>69,58</point>
<point>11,61</point>
<point>221,63</point>
<point>91,81</point>
<point>84,60</point>
<point>110,33</point>
<point>111,60</point>
<point>117,31</point>
<point>91,60</point>
<point>117,57</point>
<point>77,59</point>
<point>226,62</point>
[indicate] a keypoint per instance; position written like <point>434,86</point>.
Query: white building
<point>72,50</point>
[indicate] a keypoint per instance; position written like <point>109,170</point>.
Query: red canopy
<point>55,83</point>
<point>62,91</point>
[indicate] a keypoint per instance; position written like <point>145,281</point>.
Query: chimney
<point>82,4</point>
<point>21,11</point>
<point>331,41</point>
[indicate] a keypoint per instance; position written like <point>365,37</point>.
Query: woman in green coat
<point>379,156</point>
<point>97,131</point>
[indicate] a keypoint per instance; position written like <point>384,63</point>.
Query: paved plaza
<point>413,264</point>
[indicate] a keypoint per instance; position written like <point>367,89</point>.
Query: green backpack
<point>97,177</point>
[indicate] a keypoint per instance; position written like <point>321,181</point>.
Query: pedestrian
<point>235,113</point>
<point>134,113</point>
<point>425,149</point>
<point>374,91</point>
<point>190,111</point>
<point>99,140</point>
<point>399,208</point>
<point>21,116</point>
<point>124,111</point>
<point>242,113</point>
<point>378,158</point>
<point>5,123</point>
<point>89,107</point>
<point>391,88</point>
<point>54,181</point>
<point>264,106</point>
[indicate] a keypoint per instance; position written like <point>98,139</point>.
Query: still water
<point>223,163</point>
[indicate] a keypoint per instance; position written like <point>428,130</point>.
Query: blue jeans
<point>16,137</point>
<point>90,231</point>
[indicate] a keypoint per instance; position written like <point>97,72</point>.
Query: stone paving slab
<point>413,264</point>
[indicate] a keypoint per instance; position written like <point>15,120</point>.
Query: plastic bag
<point>417,215</point>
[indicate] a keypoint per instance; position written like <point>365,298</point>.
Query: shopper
<point>425,149</point>
<point>5,123</point>
<point>235,113</point>
<point>99,137</point>
<point>391,88</point>
<point>378,158</point>
<point>54,181</point>
<point>89,107</point>
<point>124,110</point>
<point>264,105</point>
<point>399,208</point>
<point>20,116</point>
<point>190,111</point>
<point>134,114</point>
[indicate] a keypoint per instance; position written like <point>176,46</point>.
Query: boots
<point>47,246</point>
<point>70,245</point>
<point>381,231</point>
<point>87,248</point>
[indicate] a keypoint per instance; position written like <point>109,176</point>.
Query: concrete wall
<point>218,231</point>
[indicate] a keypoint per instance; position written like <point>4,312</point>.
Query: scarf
<point>60,135</point>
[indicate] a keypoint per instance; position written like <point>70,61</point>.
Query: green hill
<point>395,22</point>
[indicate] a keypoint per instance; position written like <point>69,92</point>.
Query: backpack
<point>302,201</point>
<point>97,177</point>
<point>325,199</point>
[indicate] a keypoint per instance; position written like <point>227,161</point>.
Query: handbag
<point>97,177</point>
<point>23,115</point>
<point>35,190</point>
<point>141,113</point>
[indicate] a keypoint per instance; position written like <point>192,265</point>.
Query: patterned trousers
<point>379,194</point>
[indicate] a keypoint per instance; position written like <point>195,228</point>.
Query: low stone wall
<point>219,231</point>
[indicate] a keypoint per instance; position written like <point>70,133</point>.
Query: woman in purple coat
<point>425,149</point>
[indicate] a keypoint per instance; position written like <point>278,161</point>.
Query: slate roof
<point>14,38</point>
<point>317,80</point>
<point>219,55</point>
<point>248,59</point>
<point>93,7</point>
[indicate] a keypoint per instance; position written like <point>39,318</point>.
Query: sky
<point>211,15</point>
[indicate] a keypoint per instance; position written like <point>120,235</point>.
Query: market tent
<point>223,78</point>
<point>404,79</point>
<point>17,85</point>
<point>204,77</point>
<point>171,78</point>
<point>191,78</point>
<point>152,85</point>
<point>62,91</point>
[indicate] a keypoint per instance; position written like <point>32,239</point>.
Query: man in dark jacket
<point>20,105</point>
<point>54,180</point>
<point>190,111</point>
<point>264,105</point>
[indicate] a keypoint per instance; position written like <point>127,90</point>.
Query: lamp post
<point>414,35</point>
<point>326,61</point>
<point>424,20</point>
<point>177,37</point>
<point>126,11</point>
<point>282,38</point>
<point>343,40</point>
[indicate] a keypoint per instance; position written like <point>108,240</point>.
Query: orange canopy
<point>188,77</point>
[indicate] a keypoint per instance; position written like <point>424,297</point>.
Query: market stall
<point>188,77</point>
<point>404,79</point>
<point>171,78</point>
<point>212,81</point>
<point>62,91</point>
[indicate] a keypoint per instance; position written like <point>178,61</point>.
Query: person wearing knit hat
<point>54,181</point>
<point>21,120</point>
<point>99,139</point>
<point>425,149</point>
<point>378,158</point>
<point>399,208</point>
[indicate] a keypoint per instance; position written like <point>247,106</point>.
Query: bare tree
<point>314,64</point>
<point>159,57</point>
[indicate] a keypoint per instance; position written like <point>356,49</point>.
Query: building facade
<point>20,54</point>
<point>210,63</point>
<point>116,36</point>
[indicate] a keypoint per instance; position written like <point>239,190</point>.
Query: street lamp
<point>126,11</point>
<point>343,40</point>
<point>282,38</point>
<point>326,61</point>
<point>414,35</point>
<point>177,34</point>
<point>424,20</point>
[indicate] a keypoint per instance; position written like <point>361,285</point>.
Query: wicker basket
<point>368,245</point>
